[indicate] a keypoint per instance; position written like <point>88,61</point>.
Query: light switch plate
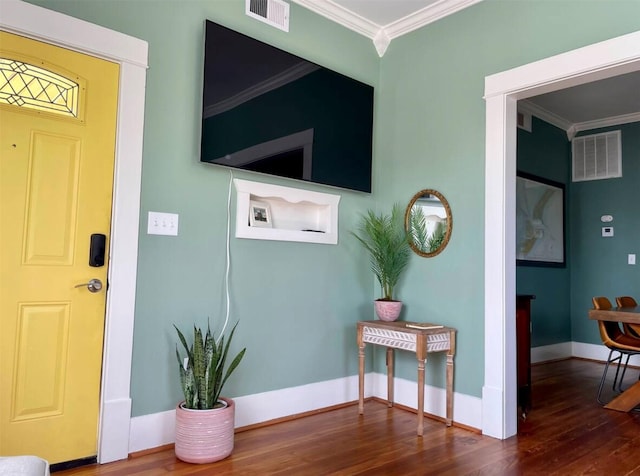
<point>631,259</point>
<point>607,231</point>
<point>162,224</point>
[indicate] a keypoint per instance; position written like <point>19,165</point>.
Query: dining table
<point>630,398</point>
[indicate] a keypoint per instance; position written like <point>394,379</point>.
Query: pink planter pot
<point>205,436</point>
<point>388,310</point>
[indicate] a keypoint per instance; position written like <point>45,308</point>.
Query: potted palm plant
<point>385,238</point>
<point>205,420</point>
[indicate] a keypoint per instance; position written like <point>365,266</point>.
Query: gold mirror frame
<point>448,227</point>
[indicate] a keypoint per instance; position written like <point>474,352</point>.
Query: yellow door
<point>57,139</point>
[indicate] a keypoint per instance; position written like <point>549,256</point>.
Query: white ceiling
<point>384,12</point>
<point>607,102</point>
<point>611,101</point>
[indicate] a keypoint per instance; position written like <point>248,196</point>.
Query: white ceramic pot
<point>388,310</point>
<point>205,436</point>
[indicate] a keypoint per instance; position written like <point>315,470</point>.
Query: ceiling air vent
<point>273,12</point>
<point>597,156</point>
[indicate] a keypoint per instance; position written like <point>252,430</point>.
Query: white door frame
<point>131,53</point>
<point>502,91</point>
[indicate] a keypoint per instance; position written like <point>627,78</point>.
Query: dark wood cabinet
<point>523,344</point>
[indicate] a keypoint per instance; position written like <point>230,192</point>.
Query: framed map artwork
<point>539,221</point>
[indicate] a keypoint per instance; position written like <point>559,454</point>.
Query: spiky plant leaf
<point>418,227</point>
<point>220,379</point>
<point>199,366</point>
<point>183,340</point>
<point>204,378</point>
<point>186,389</point>
<point>209,351</point>
<point>386,240</point>
<point>436,239</point>
<point>234,363</point>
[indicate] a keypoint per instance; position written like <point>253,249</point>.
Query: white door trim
<point>131,53</point>
<point>502,91</point>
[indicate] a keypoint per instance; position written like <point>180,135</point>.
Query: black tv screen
<point>269,111</point>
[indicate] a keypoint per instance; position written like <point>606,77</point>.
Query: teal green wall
<point>599,265</point>
<point>545,152</point>
<point>298,303</point>
<point>431,134</point>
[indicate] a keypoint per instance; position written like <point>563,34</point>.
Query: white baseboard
<point>598,352</point>
<point>151,431</point>
<point>467,410</point>
<point>158,429</point>
<point>261,407</point>
<point>581,350</point>
<point>545,353</point>
<point>589,351</point>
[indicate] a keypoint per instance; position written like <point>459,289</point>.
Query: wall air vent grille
<point>524,121</point>
<point>273,12</point>
<point>597,156</point>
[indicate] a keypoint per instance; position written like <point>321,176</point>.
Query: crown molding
<point>607,122</point>
<point>341,15</point>
<point>573,128</point>
<point>544,114</point>
<point>381,42</point>
<point>428,14</point>
<point>383,34</point>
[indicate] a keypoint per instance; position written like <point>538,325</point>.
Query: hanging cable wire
<point>228,260</point>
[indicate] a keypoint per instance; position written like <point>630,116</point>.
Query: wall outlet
<point>607,231</point>
<point>162,224</point>
<point>631,259</point>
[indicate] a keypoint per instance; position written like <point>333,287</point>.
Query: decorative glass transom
<point>26,85</point>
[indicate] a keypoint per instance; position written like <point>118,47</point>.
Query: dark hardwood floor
<point>566,433</point>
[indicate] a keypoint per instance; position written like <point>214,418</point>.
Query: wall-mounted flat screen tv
<point>269,111</point>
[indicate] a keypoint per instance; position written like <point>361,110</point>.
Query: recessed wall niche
<point>274,212</point>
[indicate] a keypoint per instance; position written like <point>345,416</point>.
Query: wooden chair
<point>628,301</point>
<point>616,341</point>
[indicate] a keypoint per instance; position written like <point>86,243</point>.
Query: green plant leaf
<point>204,378</point>
<point>209,352</point>
<point>220,380</point>
<point>387,241</point>
<point>436,239</point>
<point>418,227</point>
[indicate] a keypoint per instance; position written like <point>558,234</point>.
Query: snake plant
<point>204,375</point>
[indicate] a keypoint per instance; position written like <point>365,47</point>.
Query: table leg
<point>421,371</point>
<point>627,400</point>
<point>389,376</point>
<point>361,379</point>
<point>450,354</point>
<point>449,389</point>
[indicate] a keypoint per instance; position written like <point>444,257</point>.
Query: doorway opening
<point>502,91</point>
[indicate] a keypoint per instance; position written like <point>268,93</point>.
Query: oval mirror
<point>428,222</point>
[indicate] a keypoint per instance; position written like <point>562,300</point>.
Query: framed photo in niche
<point>259,214</point>
<point>540,237</point>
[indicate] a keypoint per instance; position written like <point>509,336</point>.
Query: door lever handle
<point>94,285</point>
